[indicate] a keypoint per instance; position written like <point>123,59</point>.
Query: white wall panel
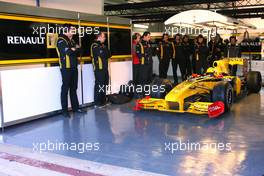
<point>31,92</point>
<point>88,86</point>
<point>120,73</point>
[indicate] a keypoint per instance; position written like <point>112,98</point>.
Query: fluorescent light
<point>141,26</point>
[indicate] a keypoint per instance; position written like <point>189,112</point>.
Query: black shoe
<point>66,115</point>
<point>79,111</point>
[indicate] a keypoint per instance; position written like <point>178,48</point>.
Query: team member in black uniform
<point>67,51</point>
<point>233,50</point>
<point>144,52</point>
<point>187,50</point>
<point>216,48</point>
<point>179,59</point>
<point>165,53</point>
<point>200,55</point>
<point>100,55</point>
<point>136,63</point>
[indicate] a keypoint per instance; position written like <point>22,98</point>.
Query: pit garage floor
<point>150,141</point>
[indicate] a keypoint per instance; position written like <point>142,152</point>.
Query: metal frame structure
<point>159,11</point>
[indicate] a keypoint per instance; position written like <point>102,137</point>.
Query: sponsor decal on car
<point>216,109</point>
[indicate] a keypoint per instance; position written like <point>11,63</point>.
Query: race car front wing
<point>213,109</point>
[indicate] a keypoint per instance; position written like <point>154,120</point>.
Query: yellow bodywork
<point>176,99</point>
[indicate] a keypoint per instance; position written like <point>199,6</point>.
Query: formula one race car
<point>212,93</point>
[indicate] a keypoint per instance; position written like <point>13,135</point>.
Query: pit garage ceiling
<point>111,2</point>
<point>145,11</point>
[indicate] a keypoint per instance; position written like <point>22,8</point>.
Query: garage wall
<point>91,6</point>
<point>24,2</point>
<point>41,94</point>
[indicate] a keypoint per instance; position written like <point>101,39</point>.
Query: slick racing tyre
<point>254,81</point>
<point>223,92</point>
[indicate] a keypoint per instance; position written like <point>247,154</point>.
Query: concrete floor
<point>141,140</point>
<point>18,161</point>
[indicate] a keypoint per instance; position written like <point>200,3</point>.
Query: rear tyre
<point>160,88</point>
<point>254,81</point>
<point>223,92</point>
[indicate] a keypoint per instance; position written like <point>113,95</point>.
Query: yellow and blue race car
<point>212,93</point>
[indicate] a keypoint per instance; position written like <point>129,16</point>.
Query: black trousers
<point>69,83</point>
<point>189,66</point>
<point>182,66</point>
<point>199,65</point>
<point>146,71</point>
<point>163,67</point>
<point>233,70</point>
<point>100,87</point>
<point>136,74</point>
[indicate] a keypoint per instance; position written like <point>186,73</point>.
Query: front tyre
<point>223,92</point>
